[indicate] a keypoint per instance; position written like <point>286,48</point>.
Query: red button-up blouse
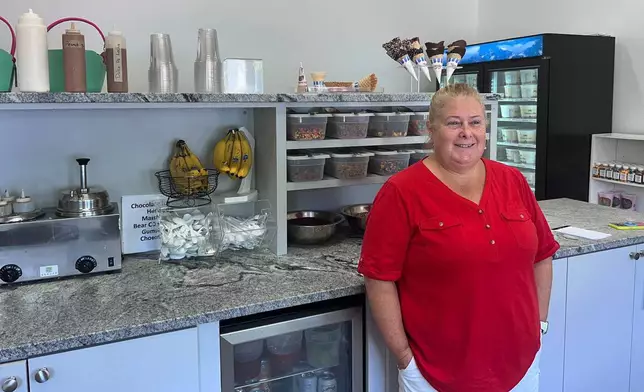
<point>464,273</point>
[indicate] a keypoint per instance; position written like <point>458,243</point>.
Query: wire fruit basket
<point>187,191</point>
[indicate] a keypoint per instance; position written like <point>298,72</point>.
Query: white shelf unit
<point>331,193</point>
<point>332,182</point>
<point>366,142</point>
<point>619,147</point>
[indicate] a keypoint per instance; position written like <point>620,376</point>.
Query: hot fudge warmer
<point>80,236</point>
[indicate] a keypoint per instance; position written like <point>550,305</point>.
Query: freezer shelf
<point>519,165</point>
<point>520,120</point>
<point>516,145</point>
<point>274,382</point>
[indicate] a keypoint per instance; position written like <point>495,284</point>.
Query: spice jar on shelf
<point>623,173</point>
<point>595,170</point>
<point>631,174</point>
<point>602,170</point>
<point>617,168</point>
<point>639,172</point>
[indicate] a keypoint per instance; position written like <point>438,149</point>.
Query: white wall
<point>341,37</point>
<point>619,18</point>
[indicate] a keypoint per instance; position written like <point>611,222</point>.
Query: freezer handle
<point>267,331</point>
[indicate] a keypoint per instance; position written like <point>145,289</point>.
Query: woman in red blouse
<point>457,259</point>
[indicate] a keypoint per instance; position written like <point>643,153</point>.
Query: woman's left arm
<point>543,277</point>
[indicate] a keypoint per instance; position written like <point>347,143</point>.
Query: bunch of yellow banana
<point>188,174</point>
<point>233,155</point>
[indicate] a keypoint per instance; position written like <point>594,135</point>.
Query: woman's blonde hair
<point>447,93</point>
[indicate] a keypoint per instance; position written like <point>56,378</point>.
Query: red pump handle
<point>13,38</point>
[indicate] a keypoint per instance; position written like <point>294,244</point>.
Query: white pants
<point>410,379</point>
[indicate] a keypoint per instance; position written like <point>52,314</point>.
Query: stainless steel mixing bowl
<point>357,215</point>
<point>312,227</point>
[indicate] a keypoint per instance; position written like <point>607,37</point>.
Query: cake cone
<point>437,65</point>
<point>452,63</point>
<point>455,52</point>
<point>421,61</point>
<point>425,70</point>
<point>405,61</point>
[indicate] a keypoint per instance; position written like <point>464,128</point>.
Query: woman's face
<point>459,134</point>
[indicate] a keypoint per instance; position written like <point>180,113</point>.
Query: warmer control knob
<point>10,273</point>
<point>85,264</point>
<point>10,384</point>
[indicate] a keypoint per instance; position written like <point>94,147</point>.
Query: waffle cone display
<point>368,83</point>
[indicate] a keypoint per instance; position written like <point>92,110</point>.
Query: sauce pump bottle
<point>116,52</point>
<point>74,62</point>
<point>32,58</point>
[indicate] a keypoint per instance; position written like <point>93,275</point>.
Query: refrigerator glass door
<point>516,141</point>
<point>469,78</point>
<point>304,354</point>
<point>491,108</point>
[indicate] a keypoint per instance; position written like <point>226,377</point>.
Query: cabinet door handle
<point>10,384</point>
<point>635,255</point>
<point>42,375</point>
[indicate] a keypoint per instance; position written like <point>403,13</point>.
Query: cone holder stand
<point>414,85</point>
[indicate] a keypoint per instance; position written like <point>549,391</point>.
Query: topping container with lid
<point>389,125</point>
<point>387,162</point>
<point>345,165</point>
<point>349,125</point>
<point>305,166</point>
<point>306,126</point>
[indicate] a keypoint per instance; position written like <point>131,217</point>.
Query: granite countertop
<point>148,297</point>
<point>143,98</point>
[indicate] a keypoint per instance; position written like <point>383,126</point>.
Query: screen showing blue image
<point>516,48</point>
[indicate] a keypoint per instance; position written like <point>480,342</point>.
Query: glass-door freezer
<point>317,352</point>
<point>516,141</point>
<point>471,78</point>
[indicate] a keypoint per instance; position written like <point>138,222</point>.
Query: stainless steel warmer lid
<point>84,201</point>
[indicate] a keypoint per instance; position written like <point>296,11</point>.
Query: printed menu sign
<point>140,223</point>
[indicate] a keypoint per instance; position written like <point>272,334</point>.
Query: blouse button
<point>440,224</point>
<point>487,226</point>
<point>492,242</point>
<point>521,216</point>
<point>480,211</point>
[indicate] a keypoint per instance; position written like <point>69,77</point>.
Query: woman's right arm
<point>384,250</point>
<point>385,308</point>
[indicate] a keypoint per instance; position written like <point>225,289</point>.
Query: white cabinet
<point>161,363</point>
<point>13,377</point>
<point>599,321</point>
<point>637,347</point>
<point>552,347</point>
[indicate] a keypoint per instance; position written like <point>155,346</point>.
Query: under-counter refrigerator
<point>557,91</point>
<point>309,348</point>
